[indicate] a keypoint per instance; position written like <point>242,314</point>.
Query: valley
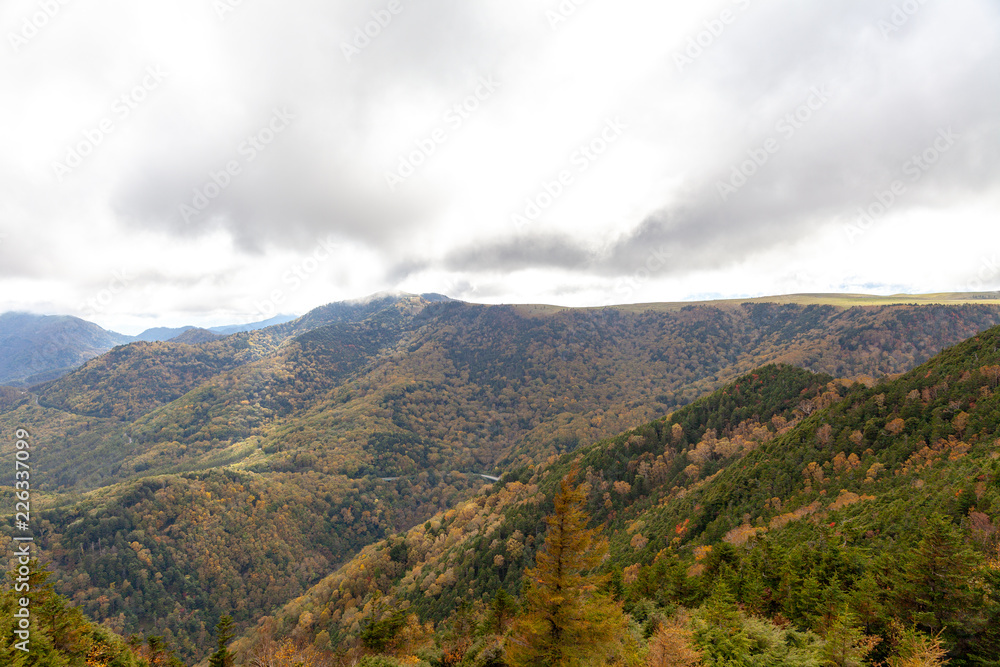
<point>185,481</point>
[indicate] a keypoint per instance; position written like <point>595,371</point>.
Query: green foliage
<point>503,609</point>
<point>836,534</point>
<point>846,644</point>
<point>935,590</point>
<point>245,468</point>
<point>377,661</point>
<point>379,634</point>
<point>223,633</point>
<point>59,634</point>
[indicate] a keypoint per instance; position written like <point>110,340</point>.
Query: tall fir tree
<point>223,633</point>
<point>935,590</point>
<point>567,620</point>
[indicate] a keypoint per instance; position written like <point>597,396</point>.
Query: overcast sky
<point>215,161</point>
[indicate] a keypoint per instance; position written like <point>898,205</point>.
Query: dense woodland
<point>184,482</point>
<point>785,520</point>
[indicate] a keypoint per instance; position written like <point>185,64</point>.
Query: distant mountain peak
<point>379,296</point>
<point>35,348</point>
<point>434,297</point>
<point>194,336</point>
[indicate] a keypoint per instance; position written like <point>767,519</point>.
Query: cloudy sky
<point>217,161</point>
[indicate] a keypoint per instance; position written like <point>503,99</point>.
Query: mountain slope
<point>156,334</point>
<point>806,497</point>
<point>195,336</point>
<point>33,347</point>
<point>263,324</point>
<point>41,348</point>
<point>135,379</point>
<point>363,419</point>
<point>60,634</point>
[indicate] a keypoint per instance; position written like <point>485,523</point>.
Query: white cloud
<point>448,225</point>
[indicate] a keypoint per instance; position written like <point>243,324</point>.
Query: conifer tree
<point>719,629</point>
<point>567,620</point>
<point>673,646</point>
<point>223,633</point>
<point>935,582</point>
<point>846,645</point>
<point>502,608</point>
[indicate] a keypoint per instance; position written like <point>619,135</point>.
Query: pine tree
<point>567,621</point>
<point>223,633</point>
<point>935,582</point>
<point>846,645</point>
<point>502,608</point>
<point>719,630</point>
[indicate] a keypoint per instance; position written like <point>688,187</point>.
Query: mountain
<point>800,518</point>
<point>60,635</point>
<point>156,334</point>
<point>238,328</point>
<point>40,348</point>
<point>195,336</point>
<point>232,475</point>
<point>34,348</point>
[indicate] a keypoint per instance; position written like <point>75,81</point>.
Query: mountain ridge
<point>35,349</point>
<point>762,461</point>
<point>352,423</point>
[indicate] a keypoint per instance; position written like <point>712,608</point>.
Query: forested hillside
<point>787,519</point>
<point>59,634</point>
<point>185,481</point>
<point>35,348</point>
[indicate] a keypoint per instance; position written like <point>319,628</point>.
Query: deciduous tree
<point>567,620</point>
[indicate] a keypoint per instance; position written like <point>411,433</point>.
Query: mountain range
<point>38,348</point>
<point>230,475</point>
<point>805,520</point>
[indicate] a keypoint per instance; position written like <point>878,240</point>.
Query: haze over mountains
<point>38,348</point>
<point>230,475</point>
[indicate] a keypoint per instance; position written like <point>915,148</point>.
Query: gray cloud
<point>890,91</point>
<point>876,113</point>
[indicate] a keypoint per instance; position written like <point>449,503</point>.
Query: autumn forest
<point>415,481</point>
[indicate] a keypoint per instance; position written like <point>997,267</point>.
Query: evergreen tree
<point>935,587</point>
<point>846,645</point>
<point>223,633</point>
<point>502,608</point>
<point>719,629</point>
<point>567,621</point>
